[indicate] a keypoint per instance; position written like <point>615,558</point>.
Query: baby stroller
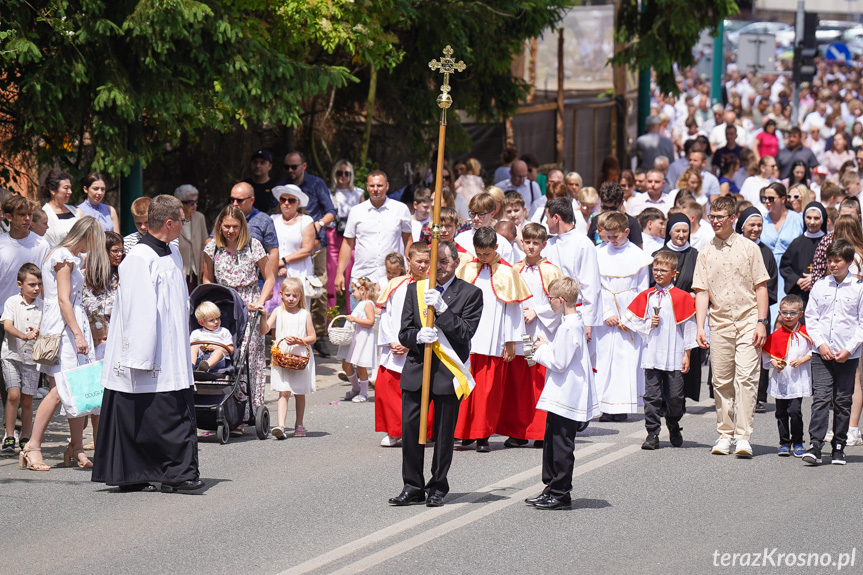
<point>221,395</point>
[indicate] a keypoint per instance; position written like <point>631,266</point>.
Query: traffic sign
<point>756,53</point>
<point>838,51</point>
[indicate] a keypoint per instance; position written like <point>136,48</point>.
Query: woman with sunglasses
<point>193,235</point>
<point>296,240</point>
<point>781,227</point>
<point>344,195</point>
<point>798,196</point>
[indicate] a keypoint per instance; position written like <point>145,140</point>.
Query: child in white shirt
<point>207,341</point>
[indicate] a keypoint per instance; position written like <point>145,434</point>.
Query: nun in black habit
<point>677,230</point>
<point>795,267</point>
<point>750,223</point>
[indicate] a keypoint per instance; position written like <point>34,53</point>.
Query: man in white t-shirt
<point>375,228</point>
<point>518,181</point>
<point>20,246</point>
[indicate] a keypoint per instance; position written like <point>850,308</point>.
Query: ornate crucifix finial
<point>447,65</point>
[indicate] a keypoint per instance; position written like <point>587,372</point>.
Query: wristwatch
<point>320,225</point>
<point>764,321</point>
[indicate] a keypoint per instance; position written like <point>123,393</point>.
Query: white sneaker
<point>743,449</point>
<point>388,441</point>
<point>854,437</point>
<point>722,446</point>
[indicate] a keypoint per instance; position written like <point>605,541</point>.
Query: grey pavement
<point>318,505</point>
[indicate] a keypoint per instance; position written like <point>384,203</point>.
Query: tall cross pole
<point>447,65</point>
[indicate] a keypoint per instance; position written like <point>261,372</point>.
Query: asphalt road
<point>318,505</point>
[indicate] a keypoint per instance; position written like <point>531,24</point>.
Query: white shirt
<point>701,238</point>
<point>666,344</point>
<point>546,321</point>
<point>528,189</point>
<point>221,335</point>
<point>388,330</point>
<point>499,323</point>
<point>14,254</point>
<point>344,200</point>
<point>23,317</point>
<point>575,255</point>
<point>791,382</point>
<point>57,228</point>
<point>651,244</point>
<point>377,232</point>
<point>569,389</point>
<point>834,314</point>
<point>148,339</point>
<point>638,204</point>
<point>291,240</point>
<point>417,228</point>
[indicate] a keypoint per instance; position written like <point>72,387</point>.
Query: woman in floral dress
<point>233,259</point>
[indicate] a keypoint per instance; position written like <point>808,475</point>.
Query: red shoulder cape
<point>778,342</point>
<point>681,303</point>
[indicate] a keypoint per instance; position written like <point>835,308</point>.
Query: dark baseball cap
<point>265,154</point>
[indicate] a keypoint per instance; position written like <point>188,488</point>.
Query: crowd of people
<point>734,243</point>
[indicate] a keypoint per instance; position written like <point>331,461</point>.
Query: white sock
<point>364,387</point>
<point>355,386</point>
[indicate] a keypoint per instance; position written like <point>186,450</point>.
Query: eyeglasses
<point>765,199</point>
<point>340,173</point>
<point>790,313</point>
<point>117,252</point>
<point>794,196</point>
<point>661,271</point>
<point>289,200</point>
<point>473,215</point>
<point>291,167</point>
<point>713,218</point>
<point>240,200</point>
<point>191,202</point>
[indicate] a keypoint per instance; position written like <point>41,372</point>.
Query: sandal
<point>76,454</point>
<point>349,396</point>
<point>299,431</point>
<point>278,432</point>
<point>26,461</point>
<point>359,398</point>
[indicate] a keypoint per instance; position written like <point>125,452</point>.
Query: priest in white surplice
<point>148,432</point>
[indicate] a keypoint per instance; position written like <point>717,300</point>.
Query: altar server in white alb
<point>391,302</point>
<point>569,395</point>
<point>575,255</point>
<point>624,273</point>
<point>147,431</point>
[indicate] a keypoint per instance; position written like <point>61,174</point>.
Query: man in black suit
<point>458,307</point>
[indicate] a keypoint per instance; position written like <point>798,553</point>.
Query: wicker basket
<point>289,360</point>
<point>341,335</point>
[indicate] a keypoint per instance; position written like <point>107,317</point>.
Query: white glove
<point>434,298</point>
<point>427,335</point>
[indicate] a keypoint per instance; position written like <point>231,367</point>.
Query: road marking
<point>468,518</point>
<point>402,526</point>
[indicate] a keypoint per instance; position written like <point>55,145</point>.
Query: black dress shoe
<point>482,446</point>
<point>538,444</point>
<point>675,437</point>
<point>404,498</point>
<point>466,442</point>
<point>582,425</point>
<point>136,487</point>
<point>621,416</point>
<point>434,500</point>
<point>513,442</point>
<point>320,348</point>
<point>606,417</point>
<point>189,485</point>
<point>760,407</point>
<point>552,503</point>
<point>651,443</point>
<point>537,499</point>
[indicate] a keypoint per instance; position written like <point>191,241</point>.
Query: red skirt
<point>519,417</point>
<point>478,414</point>
<point>388,404</point>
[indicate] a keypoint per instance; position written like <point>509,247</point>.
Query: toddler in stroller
<point>211,343</point>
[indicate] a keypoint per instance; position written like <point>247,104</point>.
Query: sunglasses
<point>240,200</point>
<point>765,199</point>
<point>289,200</point>
<point>447,177</point>
<point>795,196</point>
<point>292,167</point>
<point>191,202</point>
<point>341,173</point>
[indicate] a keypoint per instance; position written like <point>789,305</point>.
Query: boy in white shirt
<point>664,316</point>
<point>834,318</point>
<point>21,316</point>
<point>569,395</point>
<point>789,350</point>
<point>652,222</point>
<point>205,355</point>
<point>422,212</point>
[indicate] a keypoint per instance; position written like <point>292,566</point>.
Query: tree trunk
<point>370,109</point>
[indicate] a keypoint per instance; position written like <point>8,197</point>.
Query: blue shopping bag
<point>80,389</point>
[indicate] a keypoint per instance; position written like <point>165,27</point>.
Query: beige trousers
<point>736,367</point>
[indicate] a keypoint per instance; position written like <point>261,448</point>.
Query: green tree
<point>663,32</point>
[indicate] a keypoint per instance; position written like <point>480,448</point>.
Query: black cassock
<point>796,261</point>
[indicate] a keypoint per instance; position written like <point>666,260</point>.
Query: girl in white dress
<point>292,321</point>
<point>361,352</point>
